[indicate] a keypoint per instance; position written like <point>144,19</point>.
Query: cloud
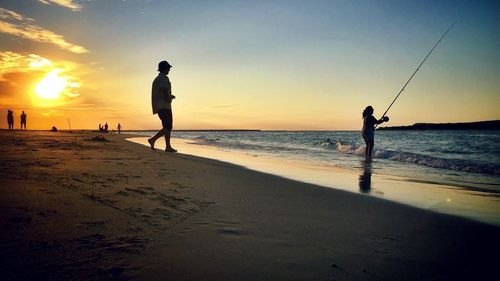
<point>15,62</point>
<point>15,24</point>
<point>7,14</point>
<point>13,80</point>
<point>70,4</point>
<point>21,73</point>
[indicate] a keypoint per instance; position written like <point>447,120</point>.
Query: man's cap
<point>163,65</point>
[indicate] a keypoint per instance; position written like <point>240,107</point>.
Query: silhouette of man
<point>106,127</point>
<point>23,120</point>
<point>10,119</point>
<point>161,100</point>
<point>119,128</point>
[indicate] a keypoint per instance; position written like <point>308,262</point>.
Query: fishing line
<point>416,70</point>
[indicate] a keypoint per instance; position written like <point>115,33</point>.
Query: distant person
<point>119,128</point>
<point>10,119</point>
<point>100,128</point>
<point>368,131</point>
<point>106,127</point>
<point>54,129</point>
<point>161,100</point>
<point>23,120</point>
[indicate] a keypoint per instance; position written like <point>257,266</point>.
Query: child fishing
<point>370,122</point>
<point>368,131</point>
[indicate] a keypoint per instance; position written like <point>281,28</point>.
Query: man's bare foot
<point>170,149</point>
<point>152,144</point>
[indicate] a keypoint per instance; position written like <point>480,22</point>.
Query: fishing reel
<point>385,118</point>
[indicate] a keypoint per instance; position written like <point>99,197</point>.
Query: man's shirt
<point>161,100</point>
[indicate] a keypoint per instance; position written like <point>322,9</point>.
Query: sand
<point>77,208</point>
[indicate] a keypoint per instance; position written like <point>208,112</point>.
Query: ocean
<point>466,162</point>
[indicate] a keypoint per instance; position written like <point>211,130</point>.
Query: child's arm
<point>383,119</point>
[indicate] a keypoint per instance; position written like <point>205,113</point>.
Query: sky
<point>271,65</point>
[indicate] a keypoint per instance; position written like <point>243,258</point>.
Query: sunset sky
<point>289,65</point>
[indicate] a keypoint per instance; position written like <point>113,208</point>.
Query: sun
<point>51,86</point>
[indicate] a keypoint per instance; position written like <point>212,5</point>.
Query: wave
<point>414,158</point>
<point>347,147</point>
<point>202,140</point>
<point>245,145</point>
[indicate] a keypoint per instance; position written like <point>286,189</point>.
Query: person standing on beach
<point>161,101</point>
<point>119,128</point>
<point>368,130</point>
<point>23,120</point>
<point>10,119</point>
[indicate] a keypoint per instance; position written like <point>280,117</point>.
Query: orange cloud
<point>65,3</point>
<point>12,61</point>
<point>20,74</point>
<point>15,24</point>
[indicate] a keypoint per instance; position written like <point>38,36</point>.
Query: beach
<point>89,206</point>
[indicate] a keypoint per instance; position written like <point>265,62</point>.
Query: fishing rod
<point>416,70</point>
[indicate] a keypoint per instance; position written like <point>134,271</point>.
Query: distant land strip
<point>480,125</point>
<point>200,130</point>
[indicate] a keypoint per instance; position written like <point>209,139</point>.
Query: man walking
<point>23,120</point>
<point>161,100</point>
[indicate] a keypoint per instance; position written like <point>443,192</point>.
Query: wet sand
<point>78,208</point>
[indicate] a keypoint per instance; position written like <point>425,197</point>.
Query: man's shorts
<point>166,118</point>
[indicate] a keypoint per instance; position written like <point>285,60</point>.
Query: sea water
<point>466,161</point>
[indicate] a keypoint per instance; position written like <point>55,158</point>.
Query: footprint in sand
<point>231,231</point>
<point>95,223</point>
<point>178,185</point>
<point>127,244</point>
<point>122,193</point>
<point>134,211</point>
<point>139,190</point>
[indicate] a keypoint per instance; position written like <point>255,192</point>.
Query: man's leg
<point>157,136</point>
<point>168,125</point>
<point>165,116</point>
<point>168,146</point>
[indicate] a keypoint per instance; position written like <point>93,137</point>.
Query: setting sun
<point>51,86</point>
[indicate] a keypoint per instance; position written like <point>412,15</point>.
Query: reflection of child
<point>368,130</point>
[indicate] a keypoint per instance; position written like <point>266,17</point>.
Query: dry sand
<point>73,208</point>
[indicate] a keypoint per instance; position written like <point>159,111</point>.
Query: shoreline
<point>436,197</point>
<point>80,209</point>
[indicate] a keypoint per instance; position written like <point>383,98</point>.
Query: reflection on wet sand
<point>365,179</point>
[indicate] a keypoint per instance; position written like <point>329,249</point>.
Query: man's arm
<point>167,93</point>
